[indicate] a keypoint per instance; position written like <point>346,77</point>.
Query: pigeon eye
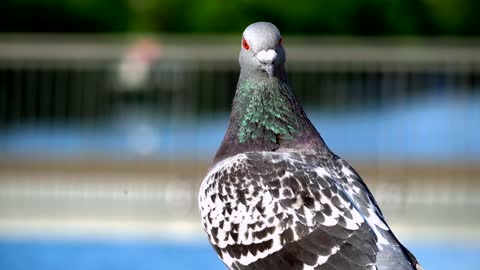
<point>280,41</point>
<point>245,45</point>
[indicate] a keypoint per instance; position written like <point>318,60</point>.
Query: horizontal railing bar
<point>225,48</point>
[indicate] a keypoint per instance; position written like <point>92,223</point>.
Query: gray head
<point>261,50</point>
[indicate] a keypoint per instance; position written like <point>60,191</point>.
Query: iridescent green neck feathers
<point>264,110</point>
<point>267,117</point>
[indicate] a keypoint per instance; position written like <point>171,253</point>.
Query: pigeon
<point>275,196</point>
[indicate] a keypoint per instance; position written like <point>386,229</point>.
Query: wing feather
<point>285,210</point>
<point>394,252</point>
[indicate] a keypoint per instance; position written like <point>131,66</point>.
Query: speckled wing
<point>392,254</point>
<point>285,210</point>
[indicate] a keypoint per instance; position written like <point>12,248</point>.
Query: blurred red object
<point>134,68</point>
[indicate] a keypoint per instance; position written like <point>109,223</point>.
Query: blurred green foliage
<point>344,17</point>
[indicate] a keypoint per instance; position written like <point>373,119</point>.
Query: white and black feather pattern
<point>294,210</point>
<point>277,198</point>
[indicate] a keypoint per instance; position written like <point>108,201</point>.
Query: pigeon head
<point>265,116</point>
<point>261,50</point>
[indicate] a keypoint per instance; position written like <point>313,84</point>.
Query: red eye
<point>245,45</point>
<point>280,41</point>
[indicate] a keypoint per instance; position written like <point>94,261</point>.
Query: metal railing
<point>54,86</point>
<point>61,78</point>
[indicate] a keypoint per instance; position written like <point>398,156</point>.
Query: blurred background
<point>111,111</point>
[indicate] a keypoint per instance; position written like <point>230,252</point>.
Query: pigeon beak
<point>266,59</point>
<point>269,68</point>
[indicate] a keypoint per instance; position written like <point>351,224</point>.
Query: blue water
<point>128,255</point>
<point>442,127</point>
